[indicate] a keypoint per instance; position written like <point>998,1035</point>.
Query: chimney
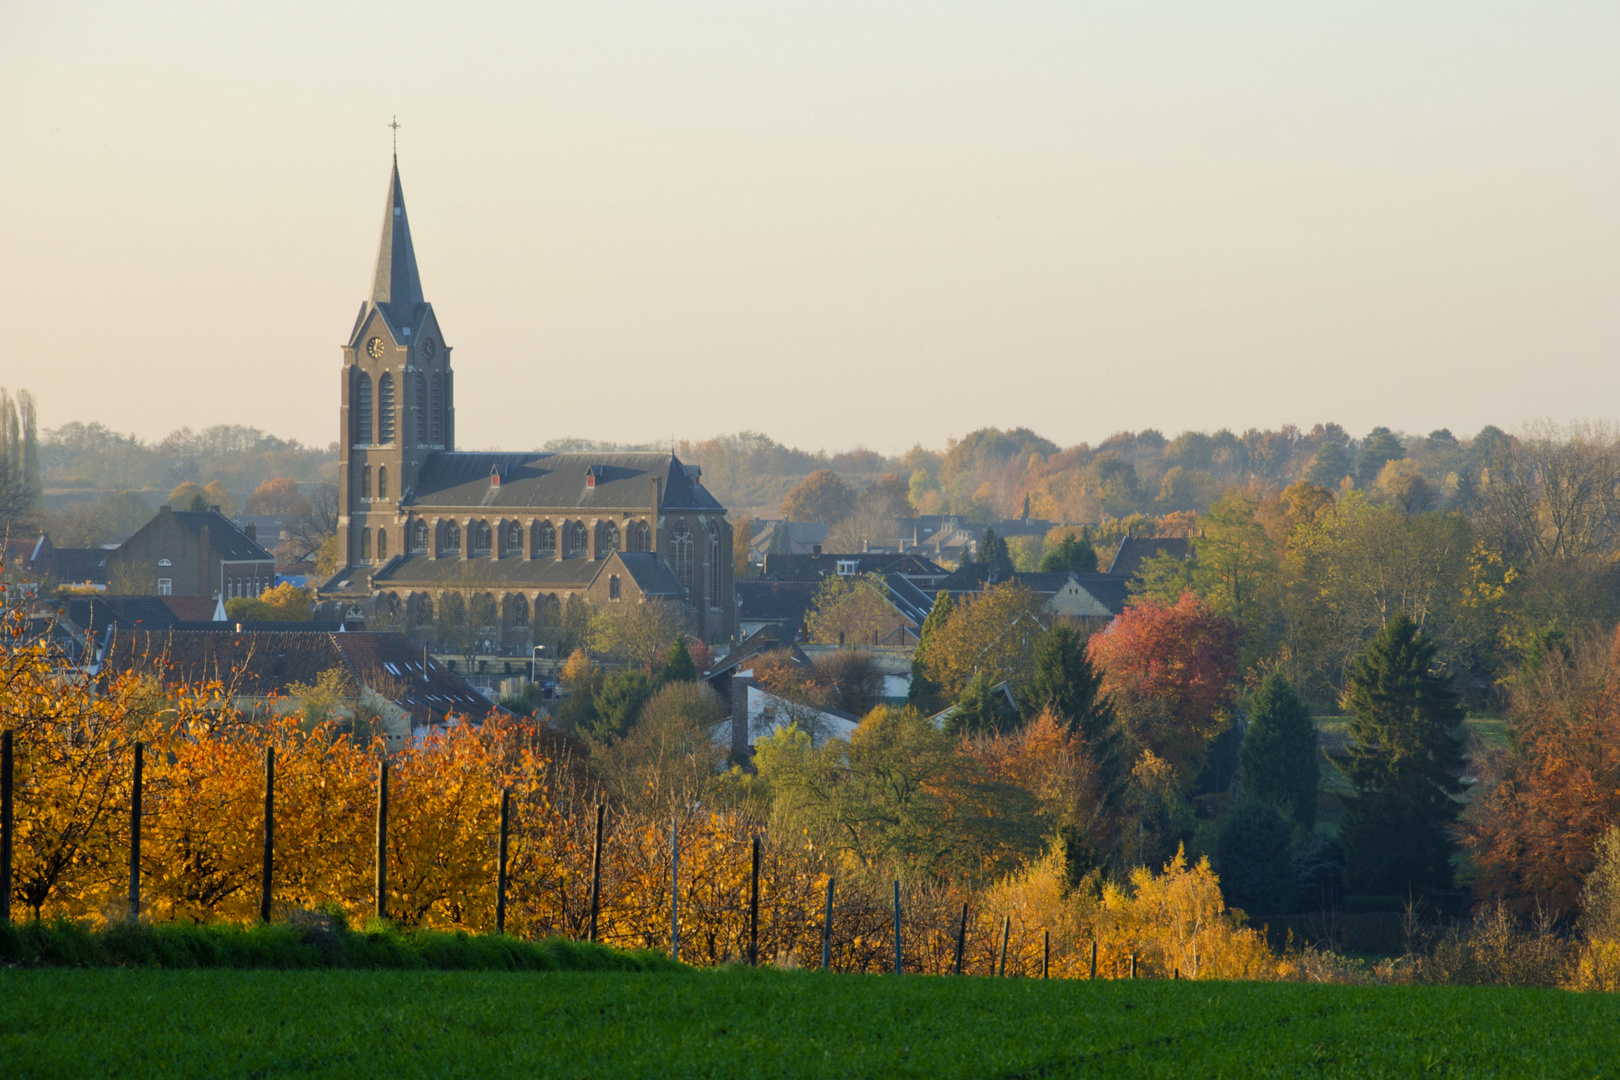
<point>251,531</point>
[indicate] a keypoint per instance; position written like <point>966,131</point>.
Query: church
<point>419,518</point>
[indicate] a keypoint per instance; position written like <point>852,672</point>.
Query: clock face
<point>374,348</point>
<point>429,347</point>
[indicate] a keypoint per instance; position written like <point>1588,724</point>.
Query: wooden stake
<point>1006,931</point>
<point>753,910</point>
<point>500,870</point>
<point>382,839</point>
<point>1046,952</point>
<point>1133,965</point>
<point>674,889</point>
<point>1093,958</point>
<point>5,826</point>
<point>135,836</point>
<point>897,968</point>
<point>961,940</point>
<point>826,930</point>
<point>266,878</point>
<point>596,873</point>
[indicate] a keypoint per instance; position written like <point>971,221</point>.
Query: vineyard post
<point>269,833</point>
<point>897,968</point>
<point>5,826</point>
<point>826,930</point>
<point>596,873</point>
<point>135,836</point>
<point>1046,952</point>
<point>674,889</point>
<point>382,839</point>
<point>1133,965</point>
<point>753,909</point>
<point>1006,931</point>
<point>1093,958</point>
<point>500,872</point>
<point>961,940</point>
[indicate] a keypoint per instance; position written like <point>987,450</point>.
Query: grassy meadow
<point>57,1022</point>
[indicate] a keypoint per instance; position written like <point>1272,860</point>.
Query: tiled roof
<point>816,567</point>
<point>226,539</point>
<point>539,481</point>
<point>258,663</point>
<point>1136,550</point>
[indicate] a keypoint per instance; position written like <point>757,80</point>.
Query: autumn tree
<point>635,633</point>
<point>853,609</point>
<point>993,632</point>
<point>924,692</point>
<point>1170,672</point>
<point>279,496</point>
<point>1404,759</point>
<point>821,496</point>
<point>280,603</point>
<point>1279,755</point>
<point>742,548</point>
<point>188,495</point>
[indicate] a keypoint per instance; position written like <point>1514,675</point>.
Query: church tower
<point>398,396</point>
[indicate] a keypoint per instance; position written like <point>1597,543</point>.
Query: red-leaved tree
<point>1171,673</point>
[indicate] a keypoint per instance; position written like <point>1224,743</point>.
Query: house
<point>757,712</point>
<point>194,553</point>
<point>1136,550</point>
<point>1090,601</point>
<point>788,538</point>
<point>786,592</point>
<point>34,559</point>
<point>407,688</point>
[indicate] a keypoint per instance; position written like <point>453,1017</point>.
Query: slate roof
<point>783,603</point>
<point>1109,590</point>
<point>909,599</point>
<point>817,567</point>
<point>226,539</point>
<point>396,285</point>
<point>1136,550</point>
<point>80,564</point>
<point>259,663</point>
<point>538,480</point>
<point>493,573</point>
<point>651,576</point>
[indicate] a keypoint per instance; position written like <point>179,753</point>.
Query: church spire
<point>396,287</point>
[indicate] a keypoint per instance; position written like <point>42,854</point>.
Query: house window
<point>478,538</point>
<point>545,540</point>
<point>452,538</point>
<point>365,545</point>
<point>385,408</point>
<point>165,586</point>
<point>419,538</point>
<point>848,567</point>
<point>513,547</point>
<point>362,409</point>
<point>382,545</point>
<point>382,481</point>
<point>419,408</point>
<point>681,551</point>
<point>365,481</point>
<point>613,586</point>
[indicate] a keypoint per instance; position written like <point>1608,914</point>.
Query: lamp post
<point>537,650</point>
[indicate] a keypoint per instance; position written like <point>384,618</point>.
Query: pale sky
<point>836,223</point>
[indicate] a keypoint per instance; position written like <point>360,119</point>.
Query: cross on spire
<point>396,125</point>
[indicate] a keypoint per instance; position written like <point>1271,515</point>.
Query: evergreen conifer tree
<point>1404,759</point>
<point>678,666</point>
<point>981,710</point>
<point>1257,865</point>
<point>1279,755</point>
<point>993,550</point>
<point>1070,553</point>
<point>924,692</point>
<point>1065,681</point>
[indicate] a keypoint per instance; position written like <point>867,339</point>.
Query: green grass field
<point>57,1022</point>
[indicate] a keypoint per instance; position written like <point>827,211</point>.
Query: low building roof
<point>1136,550</point>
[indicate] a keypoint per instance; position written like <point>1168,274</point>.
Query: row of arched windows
<point>429,423</point>
<point>365,545</point>
<point>382,481</point>
<point>572,539</point>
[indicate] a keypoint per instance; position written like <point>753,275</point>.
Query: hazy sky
<point>835,223</point>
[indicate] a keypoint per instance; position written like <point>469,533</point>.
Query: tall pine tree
<point>1404,760</point>
<point>924,692</point>
<point>993,550</point>
<point>1279,755</point>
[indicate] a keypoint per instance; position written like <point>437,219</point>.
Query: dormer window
<point>590,477</point>
<point>495,476</point>
<point>848,567</point>
<point>165,562</point>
